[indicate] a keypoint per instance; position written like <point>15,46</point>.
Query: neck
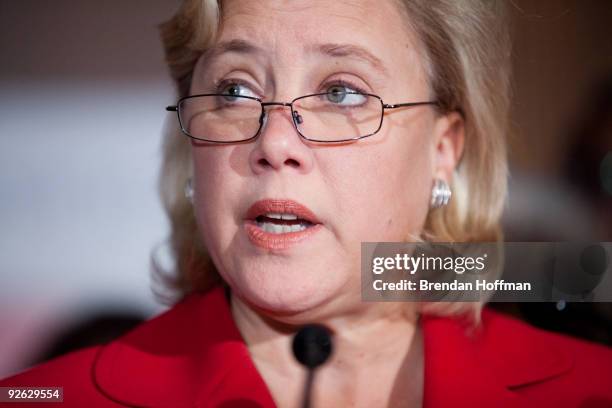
<point>375,345</point>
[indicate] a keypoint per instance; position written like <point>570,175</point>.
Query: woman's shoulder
<point>188,354</point>
<point>516,363</point>
<point>71,371</point>
<point>152,333</point>
<point>578,370</point>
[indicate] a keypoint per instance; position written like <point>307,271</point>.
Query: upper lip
<point>281,206</point>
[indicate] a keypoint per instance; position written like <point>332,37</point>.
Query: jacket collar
<point>193,355</point>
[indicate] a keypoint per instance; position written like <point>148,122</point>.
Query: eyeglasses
<point>329,117</point>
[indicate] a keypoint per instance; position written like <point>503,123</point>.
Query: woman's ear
<point>449,138</point>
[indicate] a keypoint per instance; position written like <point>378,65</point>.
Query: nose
<point>279,146</point>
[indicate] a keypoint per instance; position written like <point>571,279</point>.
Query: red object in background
<point>193,355</point>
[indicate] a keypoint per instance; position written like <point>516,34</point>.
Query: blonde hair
<point>466,49</point>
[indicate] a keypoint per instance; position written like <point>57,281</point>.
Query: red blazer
<point>194,356</point>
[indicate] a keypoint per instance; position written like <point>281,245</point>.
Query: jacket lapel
<point>485,366</point>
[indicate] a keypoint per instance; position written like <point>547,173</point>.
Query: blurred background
<point>83,88</point>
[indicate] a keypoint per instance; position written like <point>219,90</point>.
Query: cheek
<point>209,173</point>
<point>214,188</point>
<point>384,192</point>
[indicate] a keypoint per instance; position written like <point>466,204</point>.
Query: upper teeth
<point>282,216</point>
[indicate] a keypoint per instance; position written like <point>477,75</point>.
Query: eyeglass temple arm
<point>172,108</point>
<point>401,105</point>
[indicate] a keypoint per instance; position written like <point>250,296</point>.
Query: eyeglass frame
<point>294,114</point>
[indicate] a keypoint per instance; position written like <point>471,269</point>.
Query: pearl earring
<point>440,194</point>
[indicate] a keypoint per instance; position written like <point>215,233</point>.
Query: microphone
<point>312,346</point>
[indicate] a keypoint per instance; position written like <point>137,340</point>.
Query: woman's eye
<point>235,89</point>
<point>340,94</point>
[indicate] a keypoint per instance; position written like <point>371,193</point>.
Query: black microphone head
<point>312,345</point>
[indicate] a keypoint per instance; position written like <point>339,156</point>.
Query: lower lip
<point>267,240</point>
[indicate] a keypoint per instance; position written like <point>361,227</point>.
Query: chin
<point>284,294</point>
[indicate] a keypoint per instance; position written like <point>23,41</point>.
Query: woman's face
<point>375,189</point>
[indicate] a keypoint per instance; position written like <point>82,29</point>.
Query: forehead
<point>311,12</point>
<point>375,31</point>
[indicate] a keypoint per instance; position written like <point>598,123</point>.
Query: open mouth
<point>279,224</point>
<point>282,223</point>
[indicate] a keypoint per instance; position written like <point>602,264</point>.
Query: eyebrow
<point>350,51</point>
<point>334,50</point>
<point>237,46</point>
